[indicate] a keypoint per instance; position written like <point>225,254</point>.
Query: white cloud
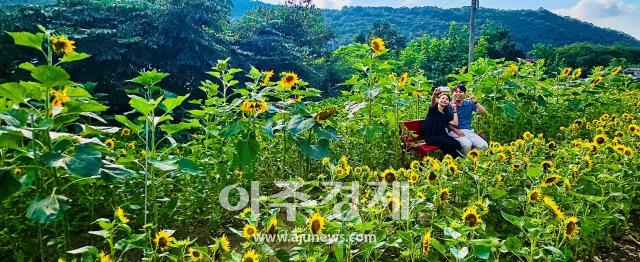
<point>615,14</point>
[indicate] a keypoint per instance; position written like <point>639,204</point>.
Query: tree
<point>282,39</point>
<point>500,44</point>
<point>383,29</point>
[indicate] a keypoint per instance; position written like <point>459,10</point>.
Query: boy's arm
<point>479,108</point>
<point>455,130</point>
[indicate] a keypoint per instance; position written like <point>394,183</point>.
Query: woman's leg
<point>447,144</point>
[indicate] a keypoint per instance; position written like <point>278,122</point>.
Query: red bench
<point>412,140</point>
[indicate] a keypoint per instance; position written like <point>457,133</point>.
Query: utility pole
<point>472,28</point>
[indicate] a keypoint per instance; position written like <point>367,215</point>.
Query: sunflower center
<point>162,242</point>
<point>272,230</point>
<point>389,177</point>
<point>534,196</point>
<point>315,226</point>
<point>196,254</point>
<point>432,176</point>
<point>444,196</point>
<point>248,259</point>
<point>600,140</point>
<point>472,219</point>
<point>250,231</point>
<point>392,205</point>
<point>571,226</point>
<point>550,180</point>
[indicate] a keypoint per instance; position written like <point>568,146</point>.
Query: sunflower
<point>620,149</point>
<point>389,175</point>
<point>426,243</point>
<point>289,80</point>
<point>163,240</point>
<point>633,128</point>
<point>244,212</point>
<point>316,223</point>
<point>393,204</point>
<point>224,243</point>
<point>571,227</point>
<point>249,231</point>
<point>628,152</point>
<point>325,114</point>
<point>415,165</point>
<point>61,97</point>
<point>502,157</point>
<point>474,154</point>
<point>358,170</point>
<point>566,72</point>
<point>577,73</point>
<point>554,207</point>
<point>272,228</point>
<point>121,215</point>
<point>551,180</point>
<point>110,143</point>
<point>616,71</point>
<point>453,169</point>
<point>377,44</point>
<point>552,145</point>
<point>125,132</point>
<point>266,81</point>
<point>596,81</point>
<point>254,107</point>
<point>471,216</point>
<point>250,256</point>
<point>547,164</point>
<point>435,165</point>
<point>534,195</point>
<point>432,176</point>
<point>339,171</point>
<point>619,134</point>
<point>17,171</point>
<point>413,176</point>
<point>104,257</point>
<point>62,45</point>
<point>403,79</point>
<point>194,254</point>
<point>444,194</point>
<point>516,165</point>
<point>132,145</point>
<point>326,161</point>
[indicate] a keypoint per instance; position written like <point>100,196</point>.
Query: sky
<point>622,15</point>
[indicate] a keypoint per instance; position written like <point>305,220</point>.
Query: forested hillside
<point>527,27</point>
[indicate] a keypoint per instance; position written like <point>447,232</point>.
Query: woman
<point>440,115</point>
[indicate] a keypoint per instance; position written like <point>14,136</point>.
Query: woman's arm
<point>434,97</point>
<point>454,110</point>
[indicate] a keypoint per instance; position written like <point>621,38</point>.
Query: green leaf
<point>110,171</point>
<point>143,106</point>
<point>149,78</point>
<point>28,39</point>
<point>164,165</point>
<point>13,91</point>
<point>297,125</point>
<point>189,166</point>
<point>172,103</point>
<point>513,244</point>
<point>246,151</point>
<point>328,133</point>
<point>80,106</point>
<point>8,184</point>
<point>51,76</point>
<point>497,193</point>
<point>460,254</point>
<point>174,128</point>
<point>509,109</point>
<point>438,246</point>
<point>282,255</point>
<point>86,249</point>
<point>125,121</point>
<point>86,161</point>
<point>10,139</point>
<point>131,242</point>
<point>73,56</point>
<point>338,249</point>
<point>482,251</point>
<point>517,221</point>
<point>314,152</point>
<point>232,129</point>
<point>47,210</point>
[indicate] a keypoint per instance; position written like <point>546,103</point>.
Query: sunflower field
<point>165,180</point>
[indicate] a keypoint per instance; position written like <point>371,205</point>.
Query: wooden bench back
<point>411,131</point>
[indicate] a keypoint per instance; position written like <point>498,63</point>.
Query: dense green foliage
<point>527,27</point>
<point>586,55</point>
